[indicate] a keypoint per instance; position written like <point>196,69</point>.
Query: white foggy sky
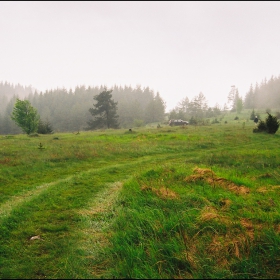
<point>176,48</point>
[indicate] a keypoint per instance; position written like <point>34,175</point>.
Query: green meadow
<point>169,202</point>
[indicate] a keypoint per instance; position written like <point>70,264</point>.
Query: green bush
<point>193,121</point>
<point>262,126</point>
<point>270,125</point>
<point>44,127</point>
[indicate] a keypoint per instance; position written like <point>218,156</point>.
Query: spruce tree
<point>104,111</point>
<point>272,124</point>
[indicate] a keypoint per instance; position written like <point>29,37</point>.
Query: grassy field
<point>169,202</point>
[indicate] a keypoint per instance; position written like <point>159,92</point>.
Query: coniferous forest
<point>68,110</point>
<point>264,95</point>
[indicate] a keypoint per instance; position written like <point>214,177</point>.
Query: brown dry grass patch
<point>224,248</point>
<point>225,203</point>
<point>162,192</point>
<point>208,213</point>
<point>211,178</point>
<point>265,189</point>
<point>266,175</point>
<point>217,249</point>
<point>249,227</point>
<point>190,253</point>
<point>262,190</point>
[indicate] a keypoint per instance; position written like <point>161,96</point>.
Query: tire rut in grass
<point>7,207</point>
<point>79,229</point>
<point>96,219</point>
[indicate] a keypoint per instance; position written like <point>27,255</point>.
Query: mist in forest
<point>179,49</point>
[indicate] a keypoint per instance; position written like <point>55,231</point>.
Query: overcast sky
<point>178,49</point>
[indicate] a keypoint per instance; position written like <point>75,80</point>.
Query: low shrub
<point>270,125</point>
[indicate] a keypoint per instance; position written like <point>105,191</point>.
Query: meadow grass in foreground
<point>175,222</point>
<point>194,202</point>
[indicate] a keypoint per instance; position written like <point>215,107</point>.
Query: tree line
<point>195,110</point>
<point>68,110</point>
<point>264,95</point>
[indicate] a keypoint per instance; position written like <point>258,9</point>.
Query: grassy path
<point>69,217</point>
<point>8,206</point>
<point>97,217</point>
<point>27,195</point>
<point>61,215</point>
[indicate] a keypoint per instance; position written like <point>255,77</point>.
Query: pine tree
<point>231,97</point>
<point>238,102</point>
<point>104,111</point>
<point>272,124</point>
<point>249,101</point>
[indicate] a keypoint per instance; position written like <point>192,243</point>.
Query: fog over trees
<point>68,110</point>
<point>264,95</point>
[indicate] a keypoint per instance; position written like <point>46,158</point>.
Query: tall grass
<point>173,228</point>
<point>199,202</point>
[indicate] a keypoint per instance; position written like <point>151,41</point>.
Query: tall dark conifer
<point>104,111</point>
